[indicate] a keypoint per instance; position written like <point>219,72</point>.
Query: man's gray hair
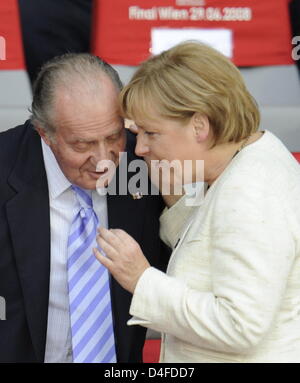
<point>72,71</point>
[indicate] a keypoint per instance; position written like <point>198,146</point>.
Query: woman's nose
<point>142,147</point>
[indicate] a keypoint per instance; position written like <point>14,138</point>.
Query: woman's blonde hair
<point>192,77</point>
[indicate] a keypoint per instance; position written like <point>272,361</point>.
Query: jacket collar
<point>29,221</point>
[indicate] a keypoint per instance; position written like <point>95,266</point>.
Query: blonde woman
<point>232,289</point>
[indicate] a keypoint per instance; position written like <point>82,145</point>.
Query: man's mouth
<point>98,174</point>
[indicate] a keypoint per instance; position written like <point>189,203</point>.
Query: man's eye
<point>150,133</point>
<point>114,137</point>
<point>81,145</point>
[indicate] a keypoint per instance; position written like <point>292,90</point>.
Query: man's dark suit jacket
<point>25,251</point>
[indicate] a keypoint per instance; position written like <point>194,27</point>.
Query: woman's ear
<point>200,127</point>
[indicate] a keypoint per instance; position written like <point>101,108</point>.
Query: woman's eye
<point>150,133</point>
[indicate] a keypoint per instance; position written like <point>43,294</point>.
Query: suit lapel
<point>124,212</point>
<point>127,214</point>
<point>29,221</point>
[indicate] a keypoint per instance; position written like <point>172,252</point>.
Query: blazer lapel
<point>29,221</point>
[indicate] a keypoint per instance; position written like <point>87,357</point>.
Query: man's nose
<point>142,147</point>
<point>100,153</point>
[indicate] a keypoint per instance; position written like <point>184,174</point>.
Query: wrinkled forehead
<point>100,90</point>
<point>76,98</point>
<point>87,117</point>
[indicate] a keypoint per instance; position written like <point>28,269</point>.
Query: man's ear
<point>44,136</point>
<point>201,127</point>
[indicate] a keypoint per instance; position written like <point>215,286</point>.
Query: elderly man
<point>61,304</point>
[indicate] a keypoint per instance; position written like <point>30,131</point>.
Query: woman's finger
<point>110,237</point>
<point>123,236</point>
<point>109,250</point>
<point>106,262</point>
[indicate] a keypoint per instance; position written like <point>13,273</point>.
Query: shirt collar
<point>57,181</point>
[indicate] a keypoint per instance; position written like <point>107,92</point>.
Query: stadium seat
<point>151,351</point>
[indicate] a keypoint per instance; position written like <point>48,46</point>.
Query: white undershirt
<point>62,212</point>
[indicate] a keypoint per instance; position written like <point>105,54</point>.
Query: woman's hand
<point>124,257</point>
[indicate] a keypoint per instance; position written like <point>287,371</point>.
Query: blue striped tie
<point>89,291</point>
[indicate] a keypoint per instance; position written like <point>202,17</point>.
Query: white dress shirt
<point>62,212</point>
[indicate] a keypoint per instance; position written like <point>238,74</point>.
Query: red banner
<point>260,28</point>
<point>11,49</point>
